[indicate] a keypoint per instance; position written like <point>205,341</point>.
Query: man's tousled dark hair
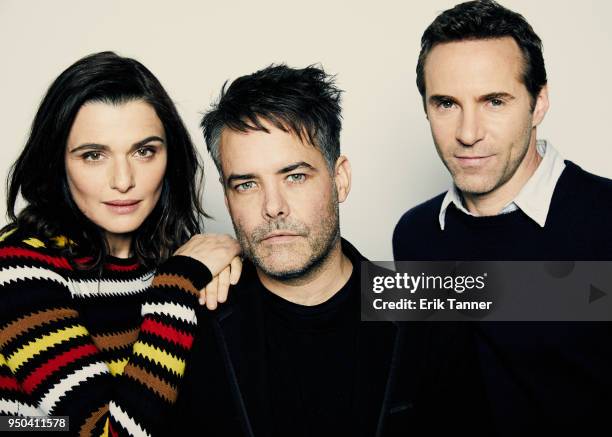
<point>39,173</point>
<point>303,101</point>
<point>486,19</point>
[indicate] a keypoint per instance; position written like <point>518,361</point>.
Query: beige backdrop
<point>194,46</point>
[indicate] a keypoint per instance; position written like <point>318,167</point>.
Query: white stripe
<point>53,396</point>
<point>126,421</point>
<point>27,273</point>
<point>89,288</point>
<point>78,288</point>
<point>19,408</point>
<point>171,309</point>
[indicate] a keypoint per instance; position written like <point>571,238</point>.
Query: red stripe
<point>111,430</point>
<point>39,375</point>
<point>120,268</point>
<point>114,267</point>
<point>18,252</point>
<point>167,333</point>
<point>9,383</point>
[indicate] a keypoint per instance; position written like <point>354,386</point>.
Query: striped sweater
<point>108,350</point>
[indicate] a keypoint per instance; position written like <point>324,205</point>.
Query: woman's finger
<point>235,270</point>
<point>223,286</point>
<point>211,293</point>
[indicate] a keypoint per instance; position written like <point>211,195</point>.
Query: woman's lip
<point>126,202</point>
<point>123,207</point>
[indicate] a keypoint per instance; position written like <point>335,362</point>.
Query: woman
<point>97,316</point>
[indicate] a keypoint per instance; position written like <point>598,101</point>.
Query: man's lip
<point>472,161</point>
<point>473,157</point>
<point>279,234</point>
<point>126,202</point>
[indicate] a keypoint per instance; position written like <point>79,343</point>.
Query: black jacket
<point>411,377</point>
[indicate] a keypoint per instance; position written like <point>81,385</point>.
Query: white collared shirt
<point>533,199</point>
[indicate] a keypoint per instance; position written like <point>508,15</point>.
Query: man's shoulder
<point>243,296</point>
<point>581,211</point>
<point>577,173</point>
<point>421,216</point>
<point>585,188</point>
<point>417,228</point>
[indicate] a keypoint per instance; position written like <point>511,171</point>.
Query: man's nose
<point>469,128</point>
<point>275,204</point>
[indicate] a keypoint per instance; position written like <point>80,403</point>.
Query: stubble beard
<point>320,243</point>
<point>493,182</point>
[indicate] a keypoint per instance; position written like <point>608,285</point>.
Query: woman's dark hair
<point>39,172</point>
<point>303,101</point>
<point>486,19</point>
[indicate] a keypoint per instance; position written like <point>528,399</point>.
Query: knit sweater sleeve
<point>49,364</point>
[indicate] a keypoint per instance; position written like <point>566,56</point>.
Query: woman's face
<point>115,163</point>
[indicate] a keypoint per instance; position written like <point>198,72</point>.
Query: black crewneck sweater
<point>312,351</point>
<point>539,376</point>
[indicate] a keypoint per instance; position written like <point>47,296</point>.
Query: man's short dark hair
<point>486,19</point>
<point>303,101</point>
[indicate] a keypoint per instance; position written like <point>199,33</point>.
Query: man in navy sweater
<point>483,82</point>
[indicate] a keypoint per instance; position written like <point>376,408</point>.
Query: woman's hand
<point>220,253</point>
<point>216,290</point>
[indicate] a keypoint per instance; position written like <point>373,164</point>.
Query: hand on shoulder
<point>220,253</point>
<point>213,250</point>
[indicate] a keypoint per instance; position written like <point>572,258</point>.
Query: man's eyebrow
<point>496,95</point>
<point>239,177</point>
<point>246,176</point>
<point>439,98</point>
<point>96,146</point>
<point>291,167</point>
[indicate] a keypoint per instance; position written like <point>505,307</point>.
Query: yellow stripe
<point>62,241</point>
<point>6,234</point>
<point>116,367</point>
<point>160,357</point>
<point>34,347</point>
<point>34,242</point>
<point>2,361</point>
<point>105,431</point>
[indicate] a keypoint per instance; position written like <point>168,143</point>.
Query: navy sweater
<point>539,376</point>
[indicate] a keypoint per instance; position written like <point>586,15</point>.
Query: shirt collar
<point>535,196</point>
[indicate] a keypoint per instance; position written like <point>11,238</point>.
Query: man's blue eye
<point>297,177</point>
<point>245,186</point>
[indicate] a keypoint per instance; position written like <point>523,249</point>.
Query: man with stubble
<point>288,350</point>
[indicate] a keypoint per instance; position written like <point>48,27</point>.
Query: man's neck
<point>494,202</point>
<point>317,286</point>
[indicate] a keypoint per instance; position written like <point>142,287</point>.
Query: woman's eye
<point>297,177</point>
<point>145,152</point>
<point>92,156</point>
